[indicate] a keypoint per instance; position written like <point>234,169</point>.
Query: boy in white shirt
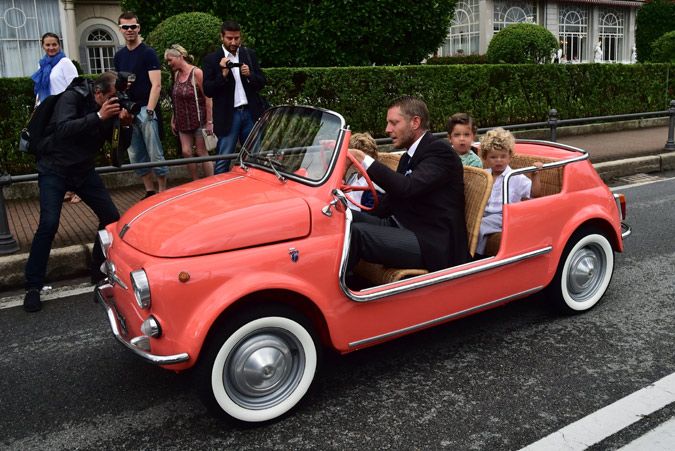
<point>497,148</point>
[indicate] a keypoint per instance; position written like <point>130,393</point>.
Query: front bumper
<point>104,296</point>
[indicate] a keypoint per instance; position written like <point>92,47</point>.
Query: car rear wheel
<point>584,272</point>
<point>260,367</point>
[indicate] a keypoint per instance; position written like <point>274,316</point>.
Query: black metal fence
<point>9,245</point>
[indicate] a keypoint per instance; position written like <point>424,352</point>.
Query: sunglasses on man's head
<point>129,27</point>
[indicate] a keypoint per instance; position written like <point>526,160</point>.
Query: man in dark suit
<point>420,221</point>
<point>232,78</point>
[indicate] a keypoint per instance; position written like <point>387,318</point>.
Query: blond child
<point>497,147</point>
<point>366,143</point>
<point>462,134</point>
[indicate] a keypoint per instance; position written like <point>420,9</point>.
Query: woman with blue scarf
<point>53,77</point>
<point>55,72</point>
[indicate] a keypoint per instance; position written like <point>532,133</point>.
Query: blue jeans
<point>242,124</point>
<point>53,187</point>
<point>146,145</point>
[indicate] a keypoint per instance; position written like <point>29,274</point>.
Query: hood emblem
<point>294,253</point>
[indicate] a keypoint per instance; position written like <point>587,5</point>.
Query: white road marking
<point>51,295</point>
<point>661,438</point>
<point>635,185</point>
<point>610,419</point>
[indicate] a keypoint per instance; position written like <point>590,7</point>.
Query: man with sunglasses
<point>141,60</point>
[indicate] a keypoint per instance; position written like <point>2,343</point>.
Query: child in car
<point>462,134</point>
<point>497,147</point>
<point>366,143</point>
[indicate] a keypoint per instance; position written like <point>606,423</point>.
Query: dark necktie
<point>404,164</point>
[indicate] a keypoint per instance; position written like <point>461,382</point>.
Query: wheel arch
<point>261,299</point>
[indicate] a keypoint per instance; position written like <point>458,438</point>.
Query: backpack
<point>32,139</point>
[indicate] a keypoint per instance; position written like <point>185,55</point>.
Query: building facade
<point>88,30</point>
<point>579,25</point>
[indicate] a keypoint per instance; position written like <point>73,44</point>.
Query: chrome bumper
<point>625,230</point>
<point>104,295</point>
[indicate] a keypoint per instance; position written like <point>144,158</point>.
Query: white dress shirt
<point>239,93</point>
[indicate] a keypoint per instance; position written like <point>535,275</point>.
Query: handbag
<point>210,141</point>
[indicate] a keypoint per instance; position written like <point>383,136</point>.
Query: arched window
<point>463,38</point>
<point>611,33</point>
<point>100,51</point>
<point>573,31</point>
<point>510,12</point>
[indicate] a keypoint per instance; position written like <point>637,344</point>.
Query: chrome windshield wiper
<point>273,165</point>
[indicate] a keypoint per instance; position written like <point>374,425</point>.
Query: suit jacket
<point>221,89</point>
<point>429,201</point>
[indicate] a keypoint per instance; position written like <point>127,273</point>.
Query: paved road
<point>499,380</point>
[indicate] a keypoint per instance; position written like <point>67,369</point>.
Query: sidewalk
<point>614,154</point>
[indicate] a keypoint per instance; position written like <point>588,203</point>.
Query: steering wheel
<point>370,186</point>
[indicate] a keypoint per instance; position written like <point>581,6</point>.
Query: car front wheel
<point>260,367</point>
<point>584,272</point>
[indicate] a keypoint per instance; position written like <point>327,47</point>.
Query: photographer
<point>82,120</point>
<point>232,78</point>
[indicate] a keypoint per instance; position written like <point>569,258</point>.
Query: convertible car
<point>241,277</point>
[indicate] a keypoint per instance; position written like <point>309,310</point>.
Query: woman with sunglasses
<point>192,110</point>
<point>53,76</point>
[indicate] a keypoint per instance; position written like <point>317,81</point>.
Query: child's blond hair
<point>497,139</point>
<point>364,142</point>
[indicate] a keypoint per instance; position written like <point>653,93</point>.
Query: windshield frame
<point>258,162</point>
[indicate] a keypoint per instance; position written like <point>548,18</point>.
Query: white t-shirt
<point>61,76</point>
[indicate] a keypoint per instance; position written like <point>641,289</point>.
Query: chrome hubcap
<point>264,368</point>
<point>586,272</point>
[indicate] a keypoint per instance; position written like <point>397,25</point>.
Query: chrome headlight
<point>141,287</point>
<point>105,239</point>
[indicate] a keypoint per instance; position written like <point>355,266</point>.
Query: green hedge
<point>493,94</point>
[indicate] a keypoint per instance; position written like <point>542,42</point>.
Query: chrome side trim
<point>625,230</point>
<point>554,164</point>
<point>127,226</point>
<point>442,319</point>
<point>414,283</point>
<point>103,294</point>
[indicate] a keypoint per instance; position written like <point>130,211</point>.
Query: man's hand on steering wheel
<point>356,157</point>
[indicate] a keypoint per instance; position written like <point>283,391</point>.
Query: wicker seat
<point>477,188</point>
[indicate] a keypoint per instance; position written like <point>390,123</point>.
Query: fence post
<point>670,144</point>
<point>553,123</point>
<point>7,242</point>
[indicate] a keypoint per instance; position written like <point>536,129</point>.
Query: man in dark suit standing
<point>420,221</point>
<point>232,78</point>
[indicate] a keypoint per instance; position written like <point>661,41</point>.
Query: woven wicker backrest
<point>477,189</point>
<point>551,179</point>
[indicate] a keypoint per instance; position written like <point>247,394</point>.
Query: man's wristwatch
<point>151,113</point>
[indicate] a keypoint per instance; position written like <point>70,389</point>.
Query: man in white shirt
<point>233,78</point>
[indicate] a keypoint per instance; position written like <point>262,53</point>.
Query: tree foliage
<point>663,49</point>
<point>653,20</point>
<point>197,32</point>
<point>522,43</point>
<point>320,33</point>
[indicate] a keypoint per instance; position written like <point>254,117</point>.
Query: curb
<point>74,261</point>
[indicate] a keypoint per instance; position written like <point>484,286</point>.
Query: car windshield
<point>295,141</point>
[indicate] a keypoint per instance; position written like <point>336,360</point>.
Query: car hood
<point>215,215</point>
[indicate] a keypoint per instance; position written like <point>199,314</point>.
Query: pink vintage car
<point>241,277</point>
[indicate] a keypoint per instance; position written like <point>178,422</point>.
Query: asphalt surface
<point>499,380</point>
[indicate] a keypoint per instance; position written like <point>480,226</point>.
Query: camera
<point>121,85</point>
<point>230,64</point>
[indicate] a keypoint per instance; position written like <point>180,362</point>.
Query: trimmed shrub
<point>464,59</point>
<point>663,49</point>
<point>653,19</point>
<point>199,33</point>
<point>522,43</point>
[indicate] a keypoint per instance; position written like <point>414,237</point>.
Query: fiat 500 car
<point>240,277</point>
